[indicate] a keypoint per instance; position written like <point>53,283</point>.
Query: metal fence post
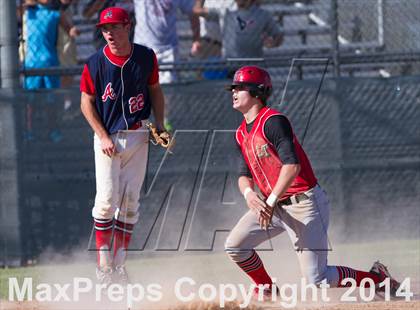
<point>334,37</point>
<point>9,75</point>
<point>10,242</point>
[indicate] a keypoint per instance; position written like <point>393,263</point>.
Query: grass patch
<point>20,274</point>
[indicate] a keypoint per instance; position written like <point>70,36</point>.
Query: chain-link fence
<point>363,38</point>
<point>386,25</point>
<point>362,139</point>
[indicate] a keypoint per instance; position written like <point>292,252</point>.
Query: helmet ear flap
<point>254,92</point>
<point>268,90</point>
<point>265,90</point>
<point>260,91</point>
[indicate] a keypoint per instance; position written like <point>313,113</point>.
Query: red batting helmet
<point>256,79</point>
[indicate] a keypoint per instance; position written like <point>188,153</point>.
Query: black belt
<point>288,201</point>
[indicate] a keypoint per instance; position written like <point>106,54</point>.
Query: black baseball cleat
<point>382,271</point>
<point>265,294</point>
<point>120,275</point>
<point>104,275</point>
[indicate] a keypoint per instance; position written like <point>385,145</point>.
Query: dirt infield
<point>394,305</point>
<point>215,269</point>
<point>400,305</point>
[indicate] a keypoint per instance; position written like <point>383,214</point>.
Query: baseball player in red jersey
<point>291,199</point>
<point>120,87</point>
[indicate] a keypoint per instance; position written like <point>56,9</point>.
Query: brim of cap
<point>231,86</point>
<point>107,23</point>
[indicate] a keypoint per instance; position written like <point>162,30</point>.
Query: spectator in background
<point>211,37</point>
<point>210,32</point>
<point>40,24</point>
<point>41,20</point>
<point>66,44</point>
<point>246,28</point>
<point>94,6</point>
<point>156,28</point>
<point>67,51</point>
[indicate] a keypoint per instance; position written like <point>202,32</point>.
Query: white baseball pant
<point>306,223</point>
<point>119,178</point>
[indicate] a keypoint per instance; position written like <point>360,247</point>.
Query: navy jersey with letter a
<point>122,95</point>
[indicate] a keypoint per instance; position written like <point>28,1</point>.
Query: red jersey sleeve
<point>86,82</point>
<point>154,77</point>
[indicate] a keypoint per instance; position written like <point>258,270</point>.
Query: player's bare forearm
<point>195,27</point>
<point>253,200</point>
<point>93,8</point>
<point>244,182</point>
<point>68,26</point>
<point>199,10</point>
<point>87,105</point>
<point>288,173</point>
<point>158,104</point>
<point>65,23</point>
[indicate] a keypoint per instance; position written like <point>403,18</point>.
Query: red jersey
<point>264,162</point>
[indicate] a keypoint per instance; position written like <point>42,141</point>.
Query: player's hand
<point>107,146</point>
<point>160,126</point>
<point>74,32</point>
<point>195,48</point>
<point>265,217</point>
<point>29,3</point>
<point>269,42</point>
<point>256,204</point>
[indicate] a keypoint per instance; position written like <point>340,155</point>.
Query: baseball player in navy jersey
<point>290,197</point>
<point>120,87</point>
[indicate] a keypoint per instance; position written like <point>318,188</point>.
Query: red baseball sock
<point>254,268</point>
<point>122,237</point>
<point>346,272</point>
<point>103,234</point>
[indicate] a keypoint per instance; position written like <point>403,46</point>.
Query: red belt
<point>136,126</point>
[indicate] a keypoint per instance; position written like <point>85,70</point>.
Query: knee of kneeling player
<point>312,277</point>
<point>230,245</point>
<point>235,252</point>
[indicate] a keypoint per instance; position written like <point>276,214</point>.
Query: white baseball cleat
<point>120,275</point>
<point>104,275</point>
<point>382,271</point>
